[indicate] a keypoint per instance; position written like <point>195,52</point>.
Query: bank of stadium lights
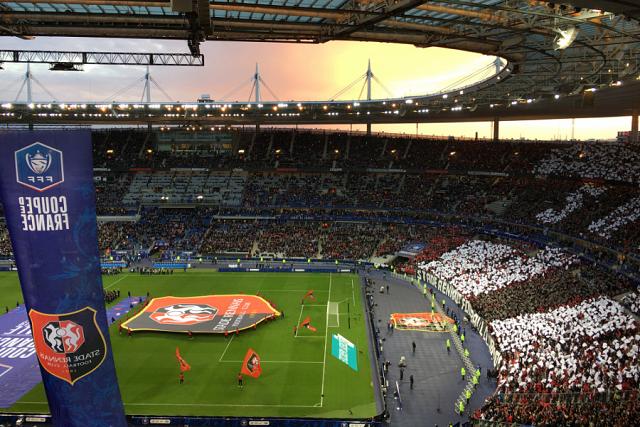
<point>409,101</point>
<point>565,38</point>
<point>7,106</point>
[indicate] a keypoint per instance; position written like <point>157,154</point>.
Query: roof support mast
<point>369,78</point>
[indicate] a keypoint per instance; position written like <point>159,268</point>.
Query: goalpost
<point>333,314</point>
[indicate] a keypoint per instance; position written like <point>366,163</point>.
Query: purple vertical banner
<point>46,183</point>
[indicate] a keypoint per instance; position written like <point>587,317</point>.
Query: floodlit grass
<point>297,370</point>
<point>10,292</point>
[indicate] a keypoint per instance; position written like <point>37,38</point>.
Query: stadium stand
<point>565,346</point>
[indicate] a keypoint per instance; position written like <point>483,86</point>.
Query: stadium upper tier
<point>555,55</point>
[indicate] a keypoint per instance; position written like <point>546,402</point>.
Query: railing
<point>478,323</point>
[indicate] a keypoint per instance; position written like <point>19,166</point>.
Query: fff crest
<point>39,166</point>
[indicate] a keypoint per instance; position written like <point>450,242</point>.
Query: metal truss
<point>104,58</point>
<point>606,49</point>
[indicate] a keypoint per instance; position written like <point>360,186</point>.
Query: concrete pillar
<point>633,136</point>
<point>368,129</point>
<point>324,149</point>
<point>348,149</point>
<point>496,129</point>
<point>293,138</point>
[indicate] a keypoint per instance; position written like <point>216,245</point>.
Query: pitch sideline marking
<point>122,278</point>
<point>326,329</point>
<point>225,349</point>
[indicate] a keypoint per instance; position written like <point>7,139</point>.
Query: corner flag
<point>251,364</point>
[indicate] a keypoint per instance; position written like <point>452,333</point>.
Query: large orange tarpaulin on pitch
<point>213,314</point>
<point>420,321</point>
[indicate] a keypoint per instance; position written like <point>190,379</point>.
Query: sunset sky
<point>292,71</point>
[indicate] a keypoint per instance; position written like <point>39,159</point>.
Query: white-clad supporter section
<point>632,302</point>
<point>574,200</point>
<point>589,346</point>
<point>614,162</point>
<point>623,215</point>
<point>477,266</point>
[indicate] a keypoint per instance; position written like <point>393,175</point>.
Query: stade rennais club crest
<point>69,345</point>
<point>39,167</point>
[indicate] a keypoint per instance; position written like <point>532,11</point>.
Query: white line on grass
<point>326,329</point>
<point>299,319</point>
<point>122,278</point>
<point>225,349</point>
<point>353,293</point>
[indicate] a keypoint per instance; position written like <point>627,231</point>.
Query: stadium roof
<point>548,49</point>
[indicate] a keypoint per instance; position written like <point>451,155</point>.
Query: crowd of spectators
<point>555,288</point>
<point>567,347</point>
<point>290,239</point>
<point>574,201</point>
<point>479,266</point>
<point>230,237</point>
<point>589,346</point>
<point>621,216</point>
<point>616,409</point>
<point>632,301</point>
<point>5,243</point>
<point>350,241</point>
<point>606,161</point>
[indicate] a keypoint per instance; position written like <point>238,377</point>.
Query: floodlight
<point>564,38</point>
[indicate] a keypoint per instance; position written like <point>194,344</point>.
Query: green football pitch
<point>300,377</point>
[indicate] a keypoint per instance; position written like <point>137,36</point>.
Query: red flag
<point>309,295</point>
<point>184,366</point>
<point>251,364</point>
<point>307,324</point>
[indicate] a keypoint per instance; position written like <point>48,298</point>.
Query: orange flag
<point>307,324</point>
<point>184,366</point>
<point>309,295</point>
<point>251,364</point>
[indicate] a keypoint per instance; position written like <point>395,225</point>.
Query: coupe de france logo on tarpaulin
<point>69,346</point>
<point>39,166</point>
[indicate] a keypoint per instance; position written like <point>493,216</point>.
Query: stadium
<point>441,255</point>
